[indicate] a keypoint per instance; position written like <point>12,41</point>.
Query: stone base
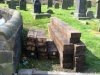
<point>41,15</point>
<point>81,16</point>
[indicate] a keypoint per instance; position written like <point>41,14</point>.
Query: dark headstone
<point>98,9</point>
<point>56,5</point>
<point>37,6</point>
<point>50,2</point>
<point>80,9</point>
<point>11,4</point>
<point>89,4</point>
<point>22,4</point>
<point>65,4</point>
<point>70,3</point>
<point>0,16</point>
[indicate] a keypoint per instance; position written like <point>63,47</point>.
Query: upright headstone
<point>11,4</point>
<point>22,4</point>
<point>98,12</point>
<point>37,6</point>
<point>98,9</point>
<point>56,5</point>
<point>89,4</point>
<point>80,9</point>
<point>70,3</point>
<point>65,4</point>
<point>50,2</point>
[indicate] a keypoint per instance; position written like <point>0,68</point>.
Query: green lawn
<point>90,35</point>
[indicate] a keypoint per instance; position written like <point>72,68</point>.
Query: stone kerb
<point>10,40</point>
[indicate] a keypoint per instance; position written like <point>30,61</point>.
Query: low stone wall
<point>10,40</point>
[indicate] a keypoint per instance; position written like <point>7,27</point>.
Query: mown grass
<point>90,35</point>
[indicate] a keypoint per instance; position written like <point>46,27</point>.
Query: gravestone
<point>80,9</point>
<point>90,14</point>
<point>98,12</point>
<point>50,2</point>
<point>22,4</point>
<point>56,5</point>
<point>98,9</point>
<point>89,4</point>
<point>65,4</point>
<point>70,3</point>
<point>37,6</point>
<point>11,4</point>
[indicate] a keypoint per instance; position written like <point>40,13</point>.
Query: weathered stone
<point>41,15</point>
<point>6,69</point>
<point>56,5</point>
<point>90,14</point>
<point>22,4</point>
<point>97,9</point>
<point>65,4</point>
<point>37,6</point>
<point>80,9</point>
<point>6,57</point>
<point>25,72</point>
<point>10,41</point>
<point>50,2</point>
<point>50,11</point>
<point>89,4</point>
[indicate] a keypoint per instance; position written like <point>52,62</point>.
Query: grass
<point>90,36</point>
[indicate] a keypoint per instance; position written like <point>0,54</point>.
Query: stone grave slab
<point>41,15</point>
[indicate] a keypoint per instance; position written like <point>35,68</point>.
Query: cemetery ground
<point>90,36</point>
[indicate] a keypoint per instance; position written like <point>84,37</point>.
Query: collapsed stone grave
<point>10,40</point>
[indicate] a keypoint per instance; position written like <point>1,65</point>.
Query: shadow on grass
<point>92,63</point>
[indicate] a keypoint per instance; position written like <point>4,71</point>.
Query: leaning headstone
<point>22,4</point>
<point>80,9</point>
<point>37,6</point>
<point>56,5</point>
<point>98,9</point>
<point>65,4</point>
<point>89,4</point>
<point>50,2</point>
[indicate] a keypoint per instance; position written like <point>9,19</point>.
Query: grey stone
<point>37,6</point>
<point>50,2</point>
<point>89,4</point>
<point>90,14</point>
<point>65,4</point>
<point>6,57</point>
<point>22,4</point>
<point>25,72</point>
<point>50,11</point>
<point>41,15</point>
<point>80,9</point>
<point>98,9</point>
<point>56,5</point>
